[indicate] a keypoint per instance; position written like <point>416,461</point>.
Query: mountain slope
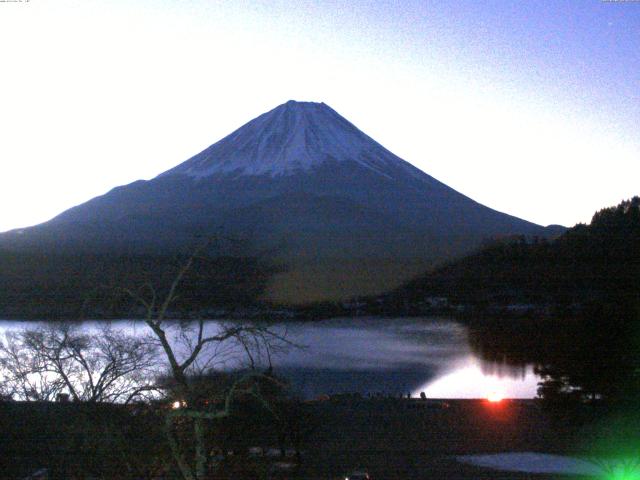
<point>337,207</point>
<point>596,264</point>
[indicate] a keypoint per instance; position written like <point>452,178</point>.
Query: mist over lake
<point>370,356</point>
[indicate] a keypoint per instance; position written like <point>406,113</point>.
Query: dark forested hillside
<point>587,285</point>
<point>588,263</point>
<point>43,285</point>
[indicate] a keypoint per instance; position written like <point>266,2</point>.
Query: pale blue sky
<point>530,107</point>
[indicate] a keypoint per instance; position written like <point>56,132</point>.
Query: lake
<point>374,356</point>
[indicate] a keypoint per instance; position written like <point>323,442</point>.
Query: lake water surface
<point>378,356</point>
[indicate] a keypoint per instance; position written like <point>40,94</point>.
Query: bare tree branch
<point>89,367</point>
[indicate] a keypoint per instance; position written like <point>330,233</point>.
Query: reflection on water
<point>477,381</point>
<point>381,356</point>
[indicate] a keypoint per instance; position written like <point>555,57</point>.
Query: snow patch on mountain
<point>293,137</point>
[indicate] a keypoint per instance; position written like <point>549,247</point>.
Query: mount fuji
<point>344,215</point>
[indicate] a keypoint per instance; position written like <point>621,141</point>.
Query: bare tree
<point>22,375</point>
<point>106,366</point>
<point>191,350</point>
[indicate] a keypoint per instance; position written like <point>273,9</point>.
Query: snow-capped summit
<point>345,215</point>
<point>293,137</point>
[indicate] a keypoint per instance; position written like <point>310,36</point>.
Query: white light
<point>495,397</point>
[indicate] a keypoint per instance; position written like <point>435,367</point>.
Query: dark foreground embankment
<point>391,438</point>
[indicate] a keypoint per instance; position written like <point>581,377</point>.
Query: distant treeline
<point>586,283</point>
<point>594,263</point>
<point>592,356</point>
<point>43,285</point>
